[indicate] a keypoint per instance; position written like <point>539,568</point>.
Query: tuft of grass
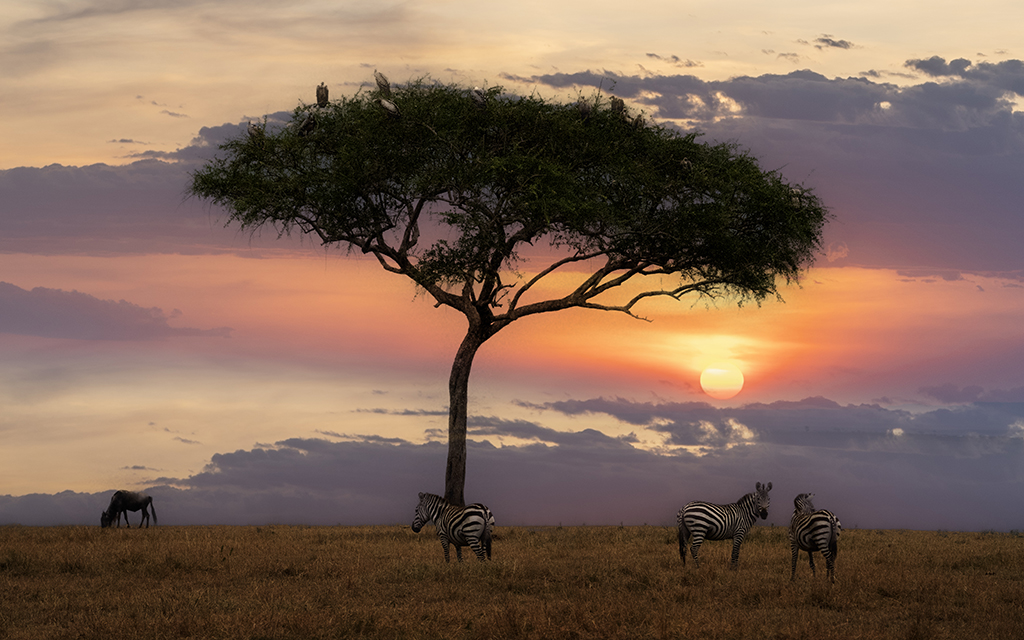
<point>544,582</point>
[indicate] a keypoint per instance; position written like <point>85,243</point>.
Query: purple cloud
<point>53,313</point>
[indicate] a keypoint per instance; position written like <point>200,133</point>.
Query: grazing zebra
<point>470,526</point>
<point>814,530</point>
<point>699,521</point>
<point>123,502</point>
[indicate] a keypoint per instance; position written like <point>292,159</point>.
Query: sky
<point>245,379</point>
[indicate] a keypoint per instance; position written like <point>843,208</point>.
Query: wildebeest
<point>125,501</point>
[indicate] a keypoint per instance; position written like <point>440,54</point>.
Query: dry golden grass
<point>572,582</point>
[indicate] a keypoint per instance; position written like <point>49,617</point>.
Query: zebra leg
<point>810,558</point>
<point>444,545</point>
<point>736,542</point>
<point>458,552</point>
<point>477,548</point>
<point>695,548</point>
<point>796,553</point>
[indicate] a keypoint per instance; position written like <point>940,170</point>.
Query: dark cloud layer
<point>134,209</point>
<point>52,313</point>
<point>926,174</point>
<point>955,468</point>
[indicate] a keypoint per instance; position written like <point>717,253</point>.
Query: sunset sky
<point>251,379</point>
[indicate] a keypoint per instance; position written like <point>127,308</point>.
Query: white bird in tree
<point>382,83</point>
<point>321,95</point>
<point>479,97</point>
<point>254,130</point>
<point>307,126</point>
<point>389,106</point>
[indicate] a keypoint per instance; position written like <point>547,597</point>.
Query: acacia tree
<point>621,199</point>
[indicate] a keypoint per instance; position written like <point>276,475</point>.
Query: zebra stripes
<point>460,526</point>
<point>813,530</point>
<point>699,521</point>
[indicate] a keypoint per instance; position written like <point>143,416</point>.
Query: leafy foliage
<point>500,172</point>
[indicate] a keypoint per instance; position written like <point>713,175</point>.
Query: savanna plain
<point>544,582</point>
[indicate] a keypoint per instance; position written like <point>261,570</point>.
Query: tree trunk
<point>458,392</point>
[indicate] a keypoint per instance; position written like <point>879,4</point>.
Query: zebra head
<point>422,516</point>
<point>763,500</point>
<point>802,503</point>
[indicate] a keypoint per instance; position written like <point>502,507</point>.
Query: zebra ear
<point>769,487</point>
<point>421,495</point>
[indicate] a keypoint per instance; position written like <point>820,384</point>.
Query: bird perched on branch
<point>321,95</point>
<point>584,107</point>
<point>382,83</point>
<point>479,97</point>
<point>307,126</point>
<point>389,106</point>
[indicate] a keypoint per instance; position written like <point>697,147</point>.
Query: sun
<point>721,381</point>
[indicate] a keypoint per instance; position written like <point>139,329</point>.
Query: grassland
<point>572,582</point>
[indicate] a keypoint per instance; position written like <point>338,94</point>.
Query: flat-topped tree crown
<point>605,189</point>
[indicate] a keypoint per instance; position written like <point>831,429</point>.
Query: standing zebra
<point>813,530</point>
<point>698,521</point>
<point>461,526</point>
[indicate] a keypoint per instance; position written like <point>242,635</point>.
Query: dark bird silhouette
<point>618,106</point>
<point>382,83</point>
<point>321,95</point>
<point>307,126</point>
<point>584,108</point>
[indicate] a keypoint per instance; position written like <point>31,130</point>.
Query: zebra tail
<point>488,531</point>
<point>833,540</point>
<point>684,535</point>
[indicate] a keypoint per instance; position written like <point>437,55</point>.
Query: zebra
<point>471,526</point>
<point>698,521</point>
<point>123,502</point>
<point>813,530</point>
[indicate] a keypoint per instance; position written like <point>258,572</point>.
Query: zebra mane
<point>802,503</point>
<point>748,503</point>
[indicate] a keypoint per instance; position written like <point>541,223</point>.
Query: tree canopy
<point>381,172</point>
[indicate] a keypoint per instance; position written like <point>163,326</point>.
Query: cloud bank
<point>957,468</point>
<point>52,313</point>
